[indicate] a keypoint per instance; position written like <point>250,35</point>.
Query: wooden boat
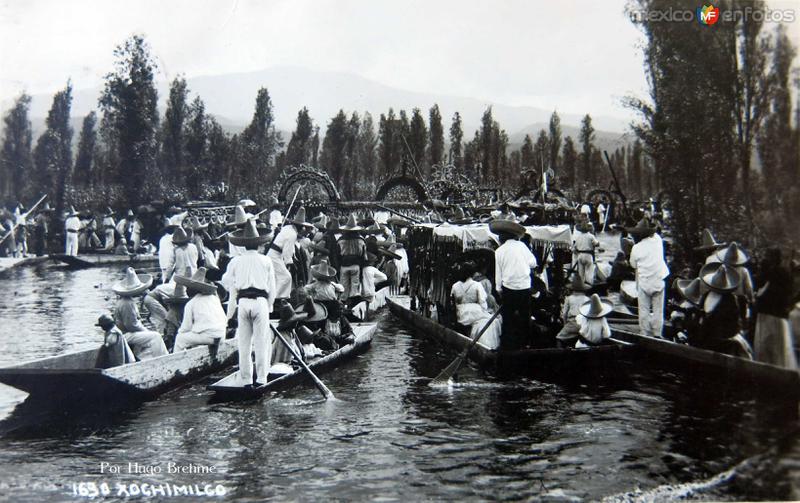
<point>100,259</point>
<point>63,381</point>
<point>540,360</point>
<point>8,263</point>
<point>230,387</point>
<point>774,382</point>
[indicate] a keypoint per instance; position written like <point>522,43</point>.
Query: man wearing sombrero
<point>514,264</point>
<point>720,325</point>
<point>204,320</point>
<point>352,253</point>
<point>250,281</point>
<point>72,226</point>
<point>647,259</point>
<point>109,228</point>
<point>281,251</point>
<point>144,343</point>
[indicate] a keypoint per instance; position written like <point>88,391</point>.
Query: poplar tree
<point>436,149</point>
<point>173,135</point>
<point>554,142</point>
<point>569,162</point>
<point>586,137</point>
<point>16,159</point>
<point>299,149</point>
<point>418,140</point>
<point>53,154</point>
<point>456,141</point>
<point>83,173</point>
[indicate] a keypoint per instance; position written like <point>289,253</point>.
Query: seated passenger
<point>114,351</point>
<point>472,310</point>
<point>204,320</point>
<point>594,329</point>
<point>287,324</point>
<point>144,343</point>
<point>323,288</point>
<point>570,333</point>
<point>720,326</point>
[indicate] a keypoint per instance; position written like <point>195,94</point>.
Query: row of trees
<point>127,154</point>
<point>710,110</point>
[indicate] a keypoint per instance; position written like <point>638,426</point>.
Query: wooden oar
<point>14,227</point>
<point>451,369</point>
<point>414,220</point>
<point>319,384</point>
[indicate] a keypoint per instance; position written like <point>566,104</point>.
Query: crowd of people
<point>312,276</point>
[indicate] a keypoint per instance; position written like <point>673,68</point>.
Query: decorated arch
<point>310,184</point>
<point>402,188</point>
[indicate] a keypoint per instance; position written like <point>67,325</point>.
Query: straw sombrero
<point>642,229</point>
<point>178,296</point>
<point>72,212</point>
<point>506,227</point>
<point>288,317</point>
<point>249,236</point>
<point>351,225</point>
<point>720,278</point>
<point>733,255</point>
<point>240,217</point>
<point>133,284</point>
<point>314,311</point>
<point>388,252</point>
<point>245,203</point>
<point>323,271</point>
<point>109,212</point>
<point>180,237</point>
<point>690,289</point>
<point>596,307</point>
<point>197,282</point>
<point>300,218</point>
<point>708,243</point>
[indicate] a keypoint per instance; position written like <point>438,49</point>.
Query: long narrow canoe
<point>230,388</point>
<point>62,381</point>
<point>543,360</point>
<point>98,259</point>
<point>775,383</point>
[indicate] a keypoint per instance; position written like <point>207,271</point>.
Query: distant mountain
<point>231,98</point>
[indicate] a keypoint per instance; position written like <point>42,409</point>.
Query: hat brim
<point>320,275</point>
<point>390,254</point>
<point>298,222</point>
<point>506,227</point>
<point>707,273</point>
<point>351,229</point>
<point>146,281</point>
<point>198,286</point>
<point>705,248</point>
<point>320,313</point>
<point>297,317</point>
<point>741,258</point>
<point>249,241</point>
<point>607,308</point>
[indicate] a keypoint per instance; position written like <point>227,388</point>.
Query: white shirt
<point>285,240</point>
<point>73,223</point>
<point>647,257</point>
<point>249,270</point>
<point>513,262</point>
<point>370,276</point>
<point>166,252</point>
<point>186,257</point>
<point>585,209</point>
<point>204,313</point>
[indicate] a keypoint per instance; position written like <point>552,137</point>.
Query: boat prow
<point>99,259</point>
<point>230,388</point>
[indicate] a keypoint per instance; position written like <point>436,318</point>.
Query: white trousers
<point>651,312</point>
<point>254,336</point>
<point>586,267</point>
<point>186,340</point>
<point>350,276</point>
<point>283,279</point>
<point>72,244</point>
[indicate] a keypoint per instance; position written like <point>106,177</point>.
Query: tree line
<point>128,155</point>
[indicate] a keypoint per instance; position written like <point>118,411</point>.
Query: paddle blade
<point>449,371</point>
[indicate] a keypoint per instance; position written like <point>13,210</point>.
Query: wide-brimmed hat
<point>72,212</point>
<point>323,271</point>
<point>45,208</point>
<point>273,202</point>
<point>506,227</point>
<point>708,243</point>
<point>389,252</point>
<point>459,218</point>
<point>109,212</point>
<point>130,213</point>
<point>249,236</point>
<point>240,217</point>
<point>180,237</point>
<point>367,220</point>
<point>351,225</point>
<point>178,296</point>
<point>399,221</point>
<point>133,284</point>
<point>720,277</point>
<point>642,229</point>
<point>197,282</point>
<point>245,203</point>
<point>320,221</point>
<point>300,218</point>
<point>596,307</point>
<point>690,289</point>
<point>288,317</point>
<point>577,284</point>
<point>374,229</point>
<point>733,255</point>
<point>314,311</point>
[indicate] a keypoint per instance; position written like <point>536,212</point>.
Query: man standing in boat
<point>647,258</point>
<point>250,281</point>
<point>72,226</point>
<point>281,252</point>
<point>514,264</point>
<point>352,253</point>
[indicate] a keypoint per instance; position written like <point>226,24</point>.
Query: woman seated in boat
<point>472,310</point>
<point>486,283</point>
<point>687,314</point>
<point>311,331</point>
<point>145,343</point>
<point>114,351</point>
<point>287,324</point>
<point>593,326</point>
<point>204,320</point>
<point>570,333</point>
<point>720,326</point>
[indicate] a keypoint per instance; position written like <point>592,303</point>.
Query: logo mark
<point>707,14</point>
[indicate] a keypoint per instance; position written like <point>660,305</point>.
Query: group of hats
<point>134,284</point>
<point>719,275</point>
<point>311,312</point>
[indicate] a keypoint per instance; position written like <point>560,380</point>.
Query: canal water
<point>640,434</point>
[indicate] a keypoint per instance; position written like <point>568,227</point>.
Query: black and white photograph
<point>352,250</point>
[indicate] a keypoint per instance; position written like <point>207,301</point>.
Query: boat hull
<point>94,260</point>
<point>230,389</point>
<point>554,361</point>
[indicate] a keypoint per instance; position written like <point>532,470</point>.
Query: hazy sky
<point>576,56</point>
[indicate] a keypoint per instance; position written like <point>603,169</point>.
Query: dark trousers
<point>516,311</point>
